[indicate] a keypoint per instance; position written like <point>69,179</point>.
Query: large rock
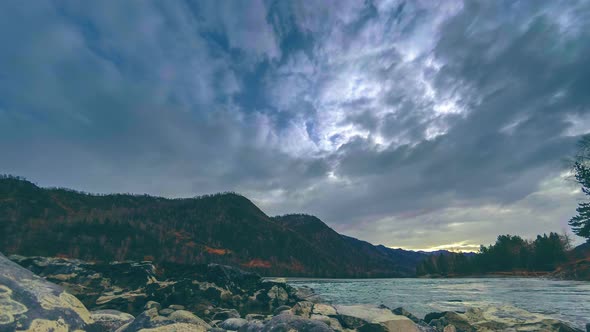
<point>223,314</point>
<point>450,320</point>
<point>128,286</point>
<point>305,293</point>
<point>324,309</point>
<point>302,309</point>
<point>367,318</point>
<point>116,285</point>
<point>179,320</point>
<point>28,302</point>
<point>109,320</point>
<point>233,324</point>
<point>492,318</point>
<point>233,279</point>
<point>286,323</point>
<point>422,325</point>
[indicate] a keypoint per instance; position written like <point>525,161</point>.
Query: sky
<point>415,124</point>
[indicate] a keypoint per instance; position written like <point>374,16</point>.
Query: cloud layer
<point>414,124</point>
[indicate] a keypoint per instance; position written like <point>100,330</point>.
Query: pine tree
<point>581,168</point>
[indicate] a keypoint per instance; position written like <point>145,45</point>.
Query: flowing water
<point>565,300</point>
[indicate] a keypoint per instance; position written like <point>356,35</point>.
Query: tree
<point>581,167</point>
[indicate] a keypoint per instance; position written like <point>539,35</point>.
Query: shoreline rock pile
<point>57,294</point>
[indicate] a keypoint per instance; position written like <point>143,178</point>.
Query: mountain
<point>223,228</point>
<point>359,255</point>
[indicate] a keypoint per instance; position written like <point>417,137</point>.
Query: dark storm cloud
<point>378,116</point>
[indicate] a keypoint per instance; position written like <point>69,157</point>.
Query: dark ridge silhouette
<point>224,228</point>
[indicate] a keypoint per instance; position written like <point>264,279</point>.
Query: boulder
<point>278,295</point>
<point>109,320</point>
<point>179,320</point>
<point>28,302</point>
<point>233,279</point>
<point>250,317</point>
<point>252,326</point>
<point>302,309</point>
<point>305,293</point>
<point>233,324</point>
<point>152,304</point>
<point>367,318</point>
<point>324,309</point>
<point>285,323</point>
<point>223,314</point>
<point>165,312</point>
<point>422,325</point>
<point>449,318</point>
<point>450,328</point>
<point>281,309</point>
<point>332,322</point>
<point>497,318</point>
<point>510,317</point>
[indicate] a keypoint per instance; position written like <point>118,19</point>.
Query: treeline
<point>509,254</point>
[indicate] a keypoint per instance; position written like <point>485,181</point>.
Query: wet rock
<point>109,320</point>
<point>233,324</point>
<point>370,318</point>
<point>28,302</point>
<point>176,307</point>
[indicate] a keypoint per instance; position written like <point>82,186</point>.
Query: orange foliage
<point>181,235</point>
<point>215,251</point>
<point>257,263</point>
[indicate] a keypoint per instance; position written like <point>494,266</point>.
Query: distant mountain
<point>358,255</point>
<point>224,228</point>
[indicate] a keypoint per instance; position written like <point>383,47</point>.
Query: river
<point>565,300</point>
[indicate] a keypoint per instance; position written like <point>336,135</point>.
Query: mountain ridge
<point>223,228</point>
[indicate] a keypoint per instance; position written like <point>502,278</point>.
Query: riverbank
<point>131,296</point>
<point>578,269</point>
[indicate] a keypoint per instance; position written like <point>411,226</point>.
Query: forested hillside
<point>224,228</point>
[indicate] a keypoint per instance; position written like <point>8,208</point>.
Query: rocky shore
<point>57,294</point>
